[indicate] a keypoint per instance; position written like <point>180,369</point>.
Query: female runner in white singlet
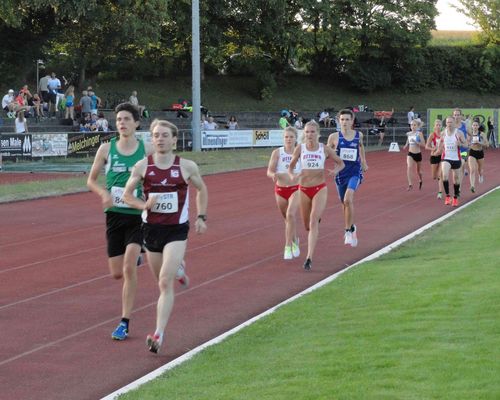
<point>313,192</point>
<point>286,190</point>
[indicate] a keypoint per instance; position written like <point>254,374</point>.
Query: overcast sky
<point>450,19</point>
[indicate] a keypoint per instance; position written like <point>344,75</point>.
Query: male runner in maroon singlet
<point>165,178</point>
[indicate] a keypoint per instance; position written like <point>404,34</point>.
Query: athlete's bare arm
<point>293,163</point>
<point>362,154</point>
<point>136,177</point>
<point>271,167</point>
<point>429,141</point>
<point>339,163</point>
<point>333,140</point>
<point>191,172</point>
<point>99,163</point>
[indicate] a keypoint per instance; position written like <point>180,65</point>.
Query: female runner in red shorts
<point>286,190</point>
<point>313,192</point>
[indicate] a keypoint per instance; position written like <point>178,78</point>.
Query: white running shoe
<point>295,248</point>
<point>354,237</point>
<point>287,254</point>
<point>348,237</point>
<point>481,178</point>
<point>181,276</point>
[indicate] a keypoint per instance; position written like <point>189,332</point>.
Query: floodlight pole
<point>195,57</point>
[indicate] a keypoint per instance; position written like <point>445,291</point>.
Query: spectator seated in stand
<point>325,119</point>
<point>102,123</point>
<point>283,121</point>
<point>210,125</point>
<point>135,101</point>
<point>85,123</point>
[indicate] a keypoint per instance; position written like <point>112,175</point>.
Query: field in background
<point>453,38</point>
<point>419,323</point>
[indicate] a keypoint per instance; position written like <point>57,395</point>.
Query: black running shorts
<point>122,230</point>
<point>156,236</point>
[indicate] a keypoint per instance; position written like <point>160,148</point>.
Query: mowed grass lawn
<point>421,322</point>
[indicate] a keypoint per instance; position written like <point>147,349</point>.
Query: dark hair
<point>346,111</point>
<point>101,115</point>
<point>130,108</point>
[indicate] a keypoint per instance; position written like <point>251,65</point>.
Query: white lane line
<point>185,357</point>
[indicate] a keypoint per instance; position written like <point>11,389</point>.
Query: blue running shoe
<point>121,332</point>
<point>139,260</point>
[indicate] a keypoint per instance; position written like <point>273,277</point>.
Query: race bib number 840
<point>117,197</point>
<point>165,203</point>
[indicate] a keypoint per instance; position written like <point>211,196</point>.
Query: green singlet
<point>118,169</point>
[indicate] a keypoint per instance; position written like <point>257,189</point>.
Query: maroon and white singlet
<point>172,203</point>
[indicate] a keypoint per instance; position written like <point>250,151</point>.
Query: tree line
<point>368,44</point>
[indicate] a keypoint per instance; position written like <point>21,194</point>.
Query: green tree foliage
<point>486,15</point>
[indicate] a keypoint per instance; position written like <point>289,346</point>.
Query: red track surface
<point>58,304</point>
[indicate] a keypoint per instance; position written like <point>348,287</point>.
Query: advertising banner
<point>50,144</point>
<point>219,139</point>
<point>14,145</point>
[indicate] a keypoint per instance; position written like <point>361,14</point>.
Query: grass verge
<point>210,162</point>
<point>418,323</point>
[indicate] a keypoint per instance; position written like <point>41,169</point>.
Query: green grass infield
<point>421,322</point>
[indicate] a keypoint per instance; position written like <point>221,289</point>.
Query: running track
<point>58,305</point>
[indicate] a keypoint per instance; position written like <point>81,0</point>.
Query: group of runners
<point>146,201</point>
<point>146,198</point>
<point>300,177</point>
<point>456,148</point>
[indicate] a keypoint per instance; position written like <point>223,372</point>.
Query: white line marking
<point>185,357</point>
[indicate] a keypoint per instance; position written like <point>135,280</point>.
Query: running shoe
<point>420,185</point>
<point>481,178</point>
<point>296,248</point>
<point>348,237</point>
<point>354,236</point>
<point>308,264</point>
<point>154,343</point>
<point>121,332</point>
<point>472,189</point>
<point>440,195</point>
<point>447,200</point>
<point>181,275</point>
<point>287,254</point>
<point>139,260</point>
<point>455,202</point>
<point>410,187</point>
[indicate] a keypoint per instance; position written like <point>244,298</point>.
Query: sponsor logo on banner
<point>83,142</point>
<point>267,138</point>
<point>13,145</point>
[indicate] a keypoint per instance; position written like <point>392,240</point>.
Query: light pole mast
<point>195,57</point>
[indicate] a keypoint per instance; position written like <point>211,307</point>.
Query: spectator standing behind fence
<point>210,125</point>
<point>135,101</point>
<point>43,87</point>
<point>232,124</point>
<point>85,103</point>
<point>491,133</point>
<point>53,85</point>
<point>20,123</point>
<point>96,102</point>
<point>70,102</point>
<point>411,116</point>
<point>283,122</point>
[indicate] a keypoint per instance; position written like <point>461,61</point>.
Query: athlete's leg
<point>419,172</point>
<point>317,208</point>
<point>473,168</point>
<point>410,162</point>
<point>291,221</point>
<point>282,206</point>
<point>129,278</point>
<point>480,167</point>
<point>305,208</point>
<point>349,208</point>
<point>173,254</point>
<point>445,172</point>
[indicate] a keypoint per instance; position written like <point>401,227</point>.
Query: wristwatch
<point>203,217</point>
